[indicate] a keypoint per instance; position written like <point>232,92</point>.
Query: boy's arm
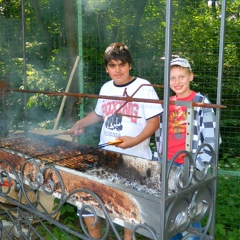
<point>150,128</point>
<point>90,119</point>
<point>209,135</point>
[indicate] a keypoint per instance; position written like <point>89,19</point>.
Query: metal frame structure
<point>192,200</point>
<point>195,200</point>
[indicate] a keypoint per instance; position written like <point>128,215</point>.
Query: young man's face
<point>180,79</point>
<point>119,71</point>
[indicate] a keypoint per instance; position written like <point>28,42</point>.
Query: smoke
<point>95,5</point>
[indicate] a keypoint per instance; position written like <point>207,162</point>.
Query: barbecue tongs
<point>109,143</point>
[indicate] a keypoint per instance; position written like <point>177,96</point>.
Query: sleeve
<point>151,109</point>
<point>98,108</point>
<point>207,135</point>
<point>158,137</point>
<point>99,104</point>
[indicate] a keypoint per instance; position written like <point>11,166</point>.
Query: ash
<point>102,173</point>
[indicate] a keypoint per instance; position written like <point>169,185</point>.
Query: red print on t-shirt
<point>177,124</point>
<point>131,108</point>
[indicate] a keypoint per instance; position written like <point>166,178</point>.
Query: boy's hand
<point>127,142</point>
<point>77,130</point>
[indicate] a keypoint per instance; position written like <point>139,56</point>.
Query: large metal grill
<point>128,188</point>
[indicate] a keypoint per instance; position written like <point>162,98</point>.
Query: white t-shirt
<point>118,125</point>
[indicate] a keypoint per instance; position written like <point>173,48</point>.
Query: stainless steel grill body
<point>126,204</point>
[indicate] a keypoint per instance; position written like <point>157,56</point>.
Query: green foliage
<point>41,108</point>
<point>68,217</point>
<point>229,162</point>
<point>228,207</point>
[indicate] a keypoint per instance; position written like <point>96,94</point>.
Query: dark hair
<point>117,51</point>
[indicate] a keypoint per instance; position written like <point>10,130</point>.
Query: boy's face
<point>180,79</point>
<point>119,71</point>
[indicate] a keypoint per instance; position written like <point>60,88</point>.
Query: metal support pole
<point>80,53</point>
<point>218,112</point>
<point>24,65</point>
<point>165,117</point>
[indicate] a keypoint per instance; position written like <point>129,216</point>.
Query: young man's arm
<point>90,119</point>
<point>150,128</point>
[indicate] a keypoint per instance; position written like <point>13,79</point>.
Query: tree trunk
<point>140,5</point>
<point>42,27</point>
<point>70,18</point>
